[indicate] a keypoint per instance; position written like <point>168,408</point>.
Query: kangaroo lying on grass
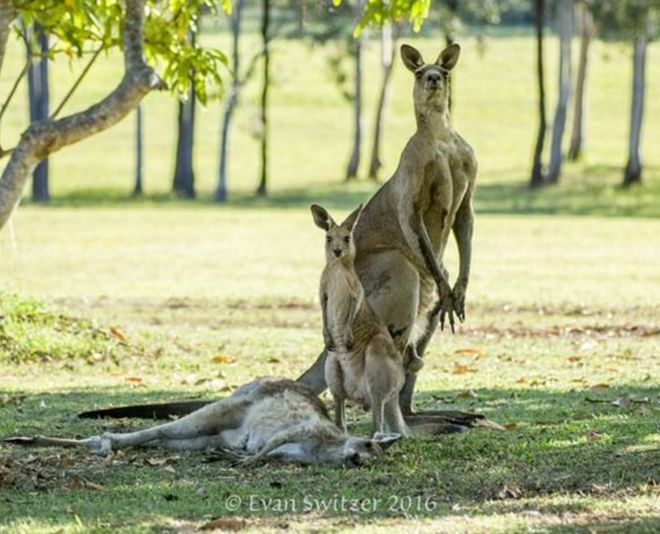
<point>403,230</point>
<point>269,418</point>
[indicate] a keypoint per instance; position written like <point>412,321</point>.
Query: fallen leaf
<point>574,358</point>
<point>118,334</point>
<point>467,394</point>
<point>273,360</point>
<point>535,383</point>
<point>469,350</point>
<point>510,492</point>
<point>134,379</point>
<point>460,369</point>
<point>225,523</point>
<point>521,380</point>
<point>155,461</point>
<point>170,469</point>
<point>612,369</point>
<point>594,436</point>
<point>510,426</point>
<point>643,410</point>
<point>599,388</point>
<point>221,358</point>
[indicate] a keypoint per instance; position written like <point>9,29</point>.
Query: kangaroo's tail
<point>314,377</point>
<point>164,410</point>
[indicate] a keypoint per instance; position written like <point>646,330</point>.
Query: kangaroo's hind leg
<point>384,376</point>
<point>206,422</point>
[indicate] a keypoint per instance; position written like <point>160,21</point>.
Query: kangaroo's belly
<point>269,417</point>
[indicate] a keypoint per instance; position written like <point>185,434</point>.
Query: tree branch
<point>13,88</point>
<point>77,83</point>
<point>43,138</point>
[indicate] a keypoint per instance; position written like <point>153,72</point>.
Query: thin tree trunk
<point>262,189</point>
<point>37,77</point>
<point>139,155</point>
<point>565,28</point>
<point>389,36</point>
<point>537,167</point>
<point>633,172</point>
<point>452,6</point>
<point>184,175</point>
<point>354,161</point>
<point>46,137</point>
<point>579,103</point>
<point>221,191</point>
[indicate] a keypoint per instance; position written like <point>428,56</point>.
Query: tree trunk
<point>262,189</point>
<point>228,114</point>
<point>633,172</point>
<point>354,161</point>
<point>579,103</point>
<point>388,41</point>
<point>537,167</point>
<point>452,6</point>
<point>565,28</point>
<point>139,155</point>
<point>37,77</point>
<point>184,175</point>
<point>44,138</point>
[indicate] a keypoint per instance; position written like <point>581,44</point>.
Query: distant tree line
<point>191,67</point>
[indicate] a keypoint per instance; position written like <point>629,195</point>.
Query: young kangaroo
<point>269,418</point>
<point>363,363</point>
<point>404,228</point>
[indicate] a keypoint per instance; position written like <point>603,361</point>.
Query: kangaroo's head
<point>352,451</point>
<point>431,89</point>
<point>338,238</point>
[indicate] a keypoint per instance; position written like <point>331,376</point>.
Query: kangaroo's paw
<point>101,445</point>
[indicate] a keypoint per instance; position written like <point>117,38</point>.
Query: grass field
<point>111,302</point>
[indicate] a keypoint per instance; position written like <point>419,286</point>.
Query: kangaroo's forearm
<point>352,311</point>
<point>463,230</point>
<point>427,254</point>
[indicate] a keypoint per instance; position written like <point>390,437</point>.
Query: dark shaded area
<point>545,452</point>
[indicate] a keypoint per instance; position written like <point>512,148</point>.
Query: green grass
<point>109,300</point>
<point>558,305</point>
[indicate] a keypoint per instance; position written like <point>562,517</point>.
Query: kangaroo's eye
<point>328,239</point>
<point>347,239</point>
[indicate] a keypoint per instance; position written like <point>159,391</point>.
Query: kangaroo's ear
<point>386,440</point>
<point>449,56</point>
<point>322,218</point>
<point>411,57</point>
<point>350,221</point>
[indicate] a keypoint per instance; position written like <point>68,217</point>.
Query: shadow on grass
<point>557,444</point>
<point>593,192</point>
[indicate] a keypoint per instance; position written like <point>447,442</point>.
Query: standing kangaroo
<point>363,363</point>
<point>402,233</point>
<point>268,418</point>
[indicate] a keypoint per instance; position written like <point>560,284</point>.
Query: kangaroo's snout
<point>433,79</point>
<point>337,252</point>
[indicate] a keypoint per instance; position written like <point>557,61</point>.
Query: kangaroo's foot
<point>453,417</point>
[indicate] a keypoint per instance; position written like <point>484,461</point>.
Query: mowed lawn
<point>560,346</point>
<point>150,300</point>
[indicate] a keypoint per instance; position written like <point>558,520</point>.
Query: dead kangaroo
<point>363,363</point>
<point>271,418</point>
<point>403,230</point>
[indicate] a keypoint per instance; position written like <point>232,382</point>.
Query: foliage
<point>33,332</point>
<point>627,18</point>
<point>84,26</point>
